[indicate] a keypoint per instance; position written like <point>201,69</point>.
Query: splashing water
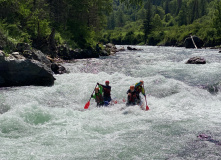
<point>51,123</point>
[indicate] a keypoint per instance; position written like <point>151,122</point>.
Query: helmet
<point>131,87</point>
<point>141,81</point>
<point>107,82</point>
<point>97,89</point>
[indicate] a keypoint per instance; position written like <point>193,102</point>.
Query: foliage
<point>169,22</point>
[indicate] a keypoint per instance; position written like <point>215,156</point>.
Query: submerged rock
<point>196,60</point>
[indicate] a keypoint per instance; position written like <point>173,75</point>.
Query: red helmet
<point>141,81</point>
<point>107,82</point>
<point>132,87</point>
<point>97,89</point>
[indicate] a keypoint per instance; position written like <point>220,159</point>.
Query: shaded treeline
<point>164,22</point>
<point>73,22</point>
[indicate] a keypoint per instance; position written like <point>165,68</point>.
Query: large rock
<point>110,48</point>
<point>188,43</point>
<point>196,60</point>
<point>67,53</point>
<point>16,70</point>
<point>58,68</point>
<point>37,55</point>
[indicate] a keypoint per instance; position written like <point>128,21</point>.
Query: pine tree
<point>147,24</point>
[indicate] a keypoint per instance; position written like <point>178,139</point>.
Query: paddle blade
<point>147,108</point>
<point>87,105</point>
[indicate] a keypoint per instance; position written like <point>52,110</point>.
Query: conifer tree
<point>147,24</point>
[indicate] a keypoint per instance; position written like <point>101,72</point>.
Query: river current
<point>51,123</point>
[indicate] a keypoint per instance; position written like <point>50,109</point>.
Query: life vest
<point>107,90</point>
<point>99,98</point>
<point>138,89</point>
<point>133,97</point>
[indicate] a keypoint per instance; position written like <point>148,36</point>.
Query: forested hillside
<point>47,23</point>
<point>164,22</point>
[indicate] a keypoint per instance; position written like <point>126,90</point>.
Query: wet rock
<point>58,68</point>
<point>130,48</point>
<point>213,88</point>
<point>16,70</point>
<point>111,49</point>
<point>196,60</point>
<point>133,49</point>
<point>121,49</point>
<point>37,55</point>
<point>67,53</point>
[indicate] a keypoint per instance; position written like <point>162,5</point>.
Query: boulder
<point>131,49</point>
<point>37,55</point>
<point>188,43</point>
<point>110,45</point>
<point>196,60</point>
<point>121,49</point>
<point>58,68</point>
<point>67,53</point>
<point>23,72</point>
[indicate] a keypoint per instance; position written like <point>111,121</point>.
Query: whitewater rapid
<point>51,123</point>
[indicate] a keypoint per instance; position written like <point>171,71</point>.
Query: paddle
<point>147,108</point>
<point>88,103</point>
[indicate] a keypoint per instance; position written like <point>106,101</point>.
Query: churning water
<point>51,123</point>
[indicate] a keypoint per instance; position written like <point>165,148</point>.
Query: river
<point>51,123</point>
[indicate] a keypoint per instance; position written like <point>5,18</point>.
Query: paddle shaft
<point>147,108</point>
<point>93,92</point>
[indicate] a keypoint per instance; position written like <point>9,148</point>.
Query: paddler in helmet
<point>131,96</point>
<point>139,89</point>
<point>98,96</point>
<point>106,92</point>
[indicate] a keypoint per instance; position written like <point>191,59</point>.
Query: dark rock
<point>21,47</point>
<point>58,68</point>
<point>196,60</point>
<point>188,43</point>
<point>104,53</point>
<point>219,51</point>
<point>133,49</point>
<point>67,53</point>
<point>130,48</point>
<point>22,72</point>
<point>37,55</point>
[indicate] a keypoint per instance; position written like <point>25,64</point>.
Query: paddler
<point>131,96</point>
<point>98,96</point>
<point>106,92</point>
<point>139,89</point>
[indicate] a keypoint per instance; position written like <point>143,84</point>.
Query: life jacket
<point>107,90</point>
<point>133,97</point>
<point>138,89</point>
<point>99,97</point>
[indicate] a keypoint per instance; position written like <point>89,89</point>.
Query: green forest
<point>84,23</point>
